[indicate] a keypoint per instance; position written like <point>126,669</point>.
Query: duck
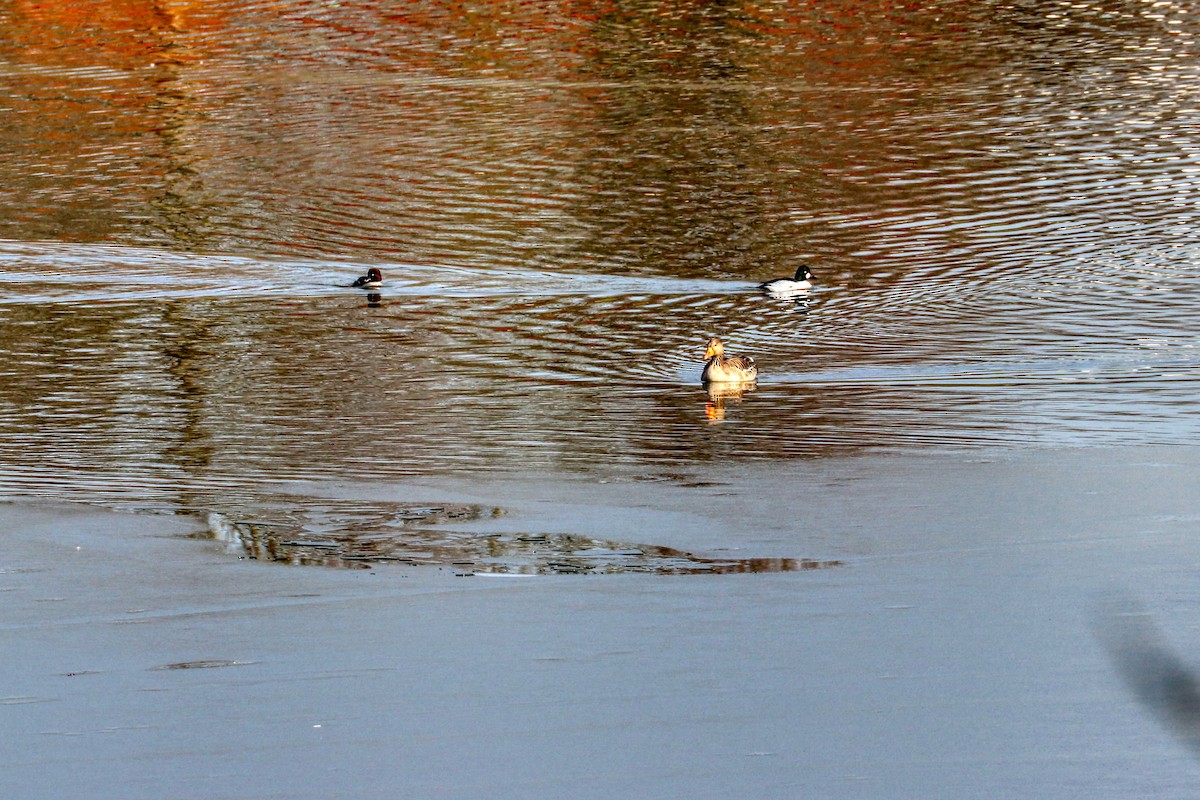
<point>372,280</point>
<point>719,369</point>
<point>782,287</point>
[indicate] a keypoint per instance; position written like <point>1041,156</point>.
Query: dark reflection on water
<point>1000,201</point>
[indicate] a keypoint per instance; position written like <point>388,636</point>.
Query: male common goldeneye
<point>372,280</point>
<point>782,287</point>
<point>719,369</point>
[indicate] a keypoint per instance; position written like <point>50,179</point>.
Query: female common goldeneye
<point>782,287</point>
<point>719,369</point>
<point>372,280</point>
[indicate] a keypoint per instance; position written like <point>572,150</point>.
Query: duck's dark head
<point>803,273</point>
<point>373,276</point>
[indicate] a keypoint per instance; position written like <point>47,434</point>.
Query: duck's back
<point>785,286</point>
<point>735,368</point>
<point>741,362</point>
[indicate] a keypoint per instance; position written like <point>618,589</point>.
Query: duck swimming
<point>372,280</point>
<point>719,369</point>
<point>782,287</point>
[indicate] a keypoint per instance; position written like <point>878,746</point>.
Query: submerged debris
<point>210,663</point>
<point>349,534</point>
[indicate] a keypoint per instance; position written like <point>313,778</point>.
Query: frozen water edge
<point>952,656</point>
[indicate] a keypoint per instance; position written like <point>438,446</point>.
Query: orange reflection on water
<point>119,33</point>
<point>721,393</point>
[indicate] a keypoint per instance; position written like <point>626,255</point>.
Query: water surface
<point>999,201</point>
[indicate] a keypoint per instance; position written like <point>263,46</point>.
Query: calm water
<point>999,200</point>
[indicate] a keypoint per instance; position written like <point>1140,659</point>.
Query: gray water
<point>999,202</point>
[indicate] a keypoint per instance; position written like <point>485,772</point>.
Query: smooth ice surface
<point>952,656</point>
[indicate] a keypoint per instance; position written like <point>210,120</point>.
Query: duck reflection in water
<point>721,393</point>
<point>374,300</point>
<point>800,303</point>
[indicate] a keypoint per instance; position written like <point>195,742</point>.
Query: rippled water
<point>999,201</point>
